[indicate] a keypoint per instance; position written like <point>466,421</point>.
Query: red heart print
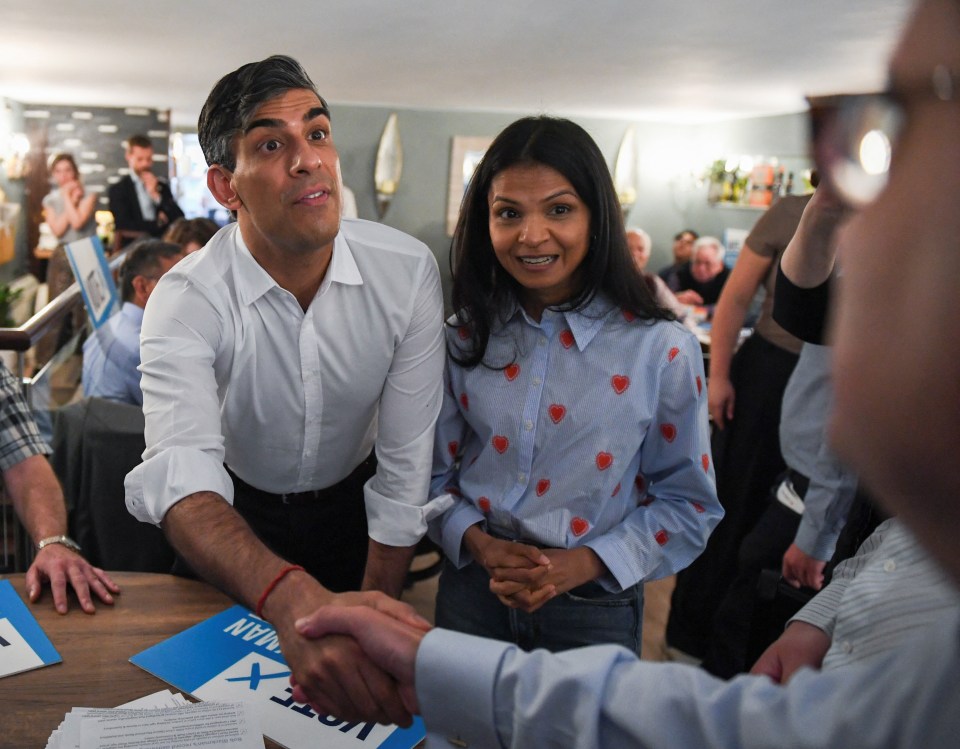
<point>463,332</point>
<point>641,482</point>
<point>465,401</point>
<point>620,383</point>
<point>698,507</point>
<point>662,537</point>
<point>579,526</point>
<point>673,353</point>
<point>629,316</point>
<point>616,490</point>
<point>543,486</point>
<point>604,460</point>
<point>511,372</point>
<point>557,412</point>
<point>699,385</point>
<point>566,338</point>
<point>484,504</point>
<point>452,448</point>
<point>705,461</point>
<point>500,443</point>
<point>669,432</point>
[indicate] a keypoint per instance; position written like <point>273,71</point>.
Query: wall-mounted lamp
<point>389,165</point>
<point>625,171</point>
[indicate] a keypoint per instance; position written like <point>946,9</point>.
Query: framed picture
<point>465,154</point>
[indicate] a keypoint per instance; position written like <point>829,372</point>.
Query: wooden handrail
<point>23,337</point>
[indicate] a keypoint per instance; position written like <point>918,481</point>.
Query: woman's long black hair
<point>483,292</point>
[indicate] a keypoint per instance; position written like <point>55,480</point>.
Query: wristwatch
<point>65,540</point>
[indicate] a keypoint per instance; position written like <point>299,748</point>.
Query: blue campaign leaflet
<point>236,656</point>
<point>23,644</point>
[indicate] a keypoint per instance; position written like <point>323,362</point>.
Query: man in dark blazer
<point>141,203</point>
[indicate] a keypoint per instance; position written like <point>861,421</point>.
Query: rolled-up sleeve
<point>397,501</point>
<point>184,441</point>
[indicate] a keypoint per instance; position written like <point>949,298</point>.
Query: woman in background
<point>573,440</point>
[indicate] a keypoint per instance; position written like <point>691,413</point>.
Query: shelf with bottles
<point>754,182</point>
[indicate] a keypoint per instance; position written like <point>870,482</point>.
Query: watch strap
<point>63,540</point>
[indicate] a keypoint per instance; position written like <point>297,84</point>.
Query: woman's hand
<point>720,400</point>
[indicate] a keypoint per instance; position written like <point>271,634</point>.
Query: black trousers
<point>747,458</point>
<point>324,531</point>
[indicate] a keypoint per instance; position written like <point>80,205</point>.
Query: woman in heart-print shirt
<point>573,441</point>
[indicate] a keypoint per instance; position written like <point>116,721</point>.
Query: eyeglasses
<point>854,135</point>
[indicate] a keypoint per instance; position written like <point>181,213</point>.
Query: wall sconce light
<point>625,171</point>
<point>13,154</point>
<point>389,165</point>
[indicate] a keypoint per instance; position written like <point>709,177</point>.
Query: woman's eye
<point>507,213</point>
<point>271,145</point>
<point>560,210</point>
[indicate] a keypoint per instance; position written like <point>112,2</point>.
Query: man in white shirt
<point>896,420</point>
<point>272,364</point>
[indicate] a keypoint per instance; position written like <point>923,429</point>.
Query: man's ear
<point>220,183</point>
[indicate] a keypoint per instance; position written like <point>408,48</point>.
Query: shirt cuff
<point>157,484</point>
<point>815,542</point>
<point>394,523</point>
<point>455,524</point>
<point>455,679</point>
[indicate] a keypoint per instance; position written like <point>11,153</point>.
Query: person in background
<point>111,354</point>
<point>640,246</point>
<point>69,210</point>
<point>700,282</point>
<point>682,252</point>
<point>896,422</point>
<point>573,442</point>
<point>37,499</point>
<point>291,376</point>
<point>745,396</point>
<point>191,233</point>
<point>141,203</point>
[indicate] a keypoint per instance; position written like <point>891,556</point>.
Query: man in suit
<point>141,203</point>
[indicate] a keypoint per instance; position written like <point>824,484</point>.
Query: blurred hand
<point>689,297</point>
<point>720,400</point>
<point>61,566</point>
<point>802,570</point>
<point>800,645</point>
<point>151,183</point>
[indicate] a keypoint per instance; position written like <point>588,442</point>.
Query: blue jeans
<point>588,615</point>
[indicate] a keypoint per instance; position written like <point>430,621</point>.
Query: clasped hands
<point>526,577</point>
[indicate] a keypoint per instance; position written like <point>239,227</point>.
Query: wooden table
<point>95,671</point>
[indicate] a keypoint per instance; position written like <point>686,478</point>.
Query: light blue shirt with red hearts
<point>588,428</point>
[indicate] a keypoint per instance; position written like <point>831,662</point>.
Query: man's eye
<point>318,135</point>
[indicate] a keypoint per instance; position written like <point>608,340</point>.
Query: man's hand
<point>332,673</point>
<point>689,296</point>
<point>802,570</point>
<point>59,565</point>
<point>800,645</point>
<point>721,397</point>
<point>151,183</point>
<point>382,637</point>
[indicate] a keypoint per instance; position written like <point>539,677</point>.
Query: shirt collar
<point>584,323</point>
<point>132,311</point>
<point>253,281</point>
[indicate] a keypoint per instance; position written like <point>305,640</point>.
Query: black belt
<point>306,497</point>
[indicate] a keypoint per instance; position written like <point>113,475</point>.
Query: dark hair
<point>58,157</point>
<point>483,292</point>
<point>680,233</point>
<point>183,231</point>
<point>237,96</point>
<point>143,259</point>
<point>139,141</point>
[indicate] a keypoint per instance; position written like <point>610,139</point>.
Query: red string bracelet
<point>273,584</point>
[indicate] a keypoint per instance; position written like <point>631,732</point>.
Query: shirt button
<point>889,565</point>
<point>537,380</point>
<point>847,647</point>
<point>521,477</point>
<point>528,425</point>
<point>542,342</point>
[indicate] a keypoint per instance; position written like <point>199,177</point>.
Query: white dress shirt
<point>234,371</point>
